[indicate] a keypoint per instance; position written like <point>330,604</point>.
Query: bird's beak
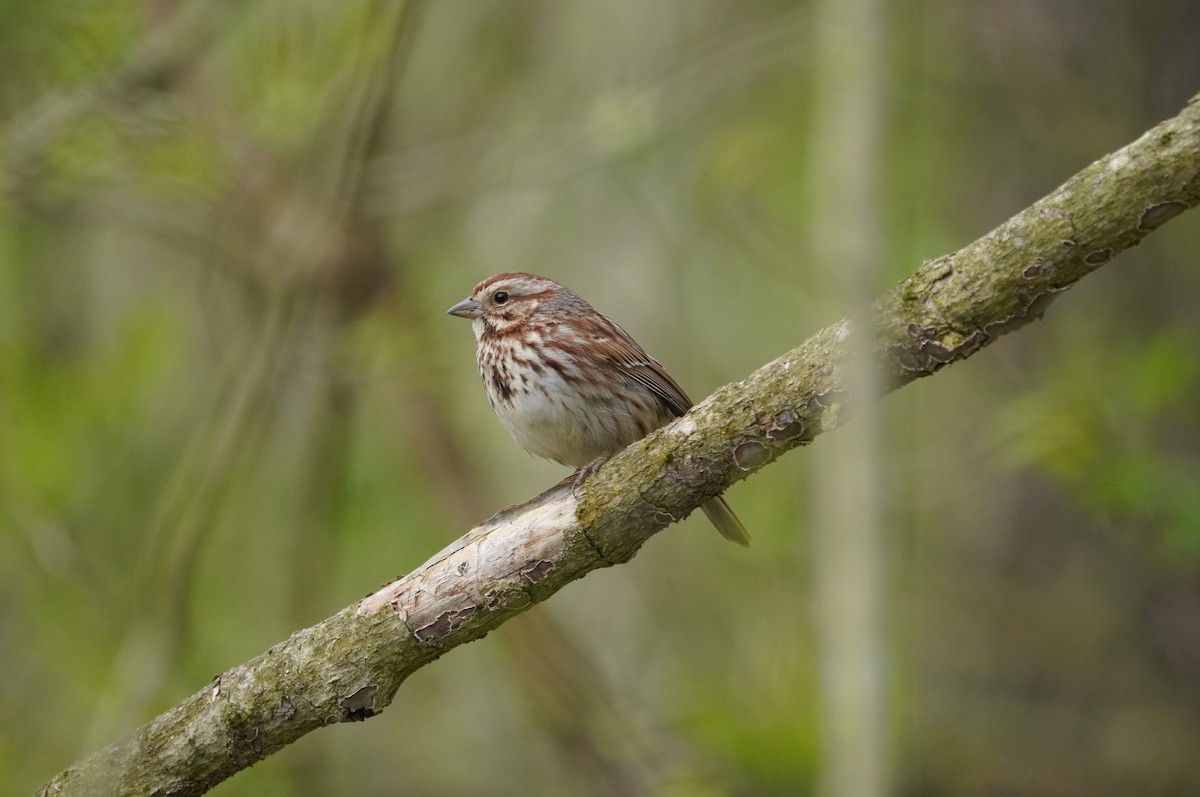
<point>467,308</point>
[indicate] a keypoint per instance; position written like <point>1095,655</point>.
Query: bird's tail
<point>721,516</point>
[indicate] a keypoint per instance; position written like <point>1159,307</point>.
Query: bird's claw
<point>581,475</point>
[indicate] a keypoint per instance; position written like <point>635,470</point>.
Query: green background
<point>231,403</point>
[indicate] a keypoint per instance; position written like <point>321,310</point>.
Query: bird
<point>568,383</point>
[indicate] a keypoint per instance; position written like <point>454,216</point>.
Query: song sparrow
<point>566,382</point>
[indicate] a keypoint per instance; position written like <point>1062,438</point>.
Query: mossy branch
<point>349,667</point>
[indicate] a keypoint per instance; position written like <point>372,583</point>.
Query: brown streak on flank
<point>528,363</point>
<point>563,370</point>
<point>500,384</point>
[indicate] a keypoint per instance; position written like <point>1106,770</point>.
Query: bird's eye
<point>501,297</point>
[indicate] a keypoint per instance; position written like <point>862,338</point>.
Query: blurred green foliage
<point>230,403</point>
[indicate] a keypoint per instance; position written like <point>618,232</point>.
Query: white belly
<point>568,420</point>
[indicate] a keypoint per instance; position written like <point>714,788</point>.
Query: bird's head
<point>506,302</point>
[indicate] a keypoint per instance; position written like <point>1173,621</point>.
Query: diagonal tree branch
<point>349,666</point>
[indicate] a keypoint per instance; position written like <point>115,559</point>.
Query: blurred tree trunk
<point>845,228</point>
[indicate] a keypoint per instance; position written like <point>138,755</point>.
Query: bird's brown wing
<point>625,353</point>
<point>630,358</point>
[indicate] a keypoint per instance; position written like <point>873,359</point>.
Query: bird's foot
<point>580,476</point>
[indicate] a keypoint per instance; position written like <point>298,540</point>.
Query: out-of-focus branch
<point>349,667</point>
<point>171,47</point>
<point>615,124</point>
